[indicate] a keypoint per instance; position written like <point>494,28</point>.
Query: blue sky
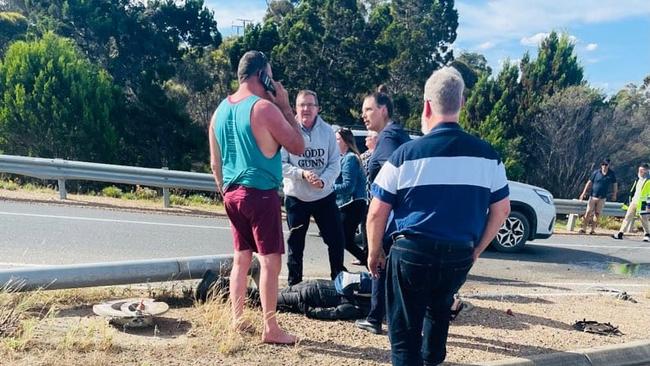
<point>612,37</point>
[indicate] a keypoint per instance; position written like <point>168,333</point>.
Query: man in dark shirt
<point>599,182</point>
<point>377,112</point>
<point>447,193</point>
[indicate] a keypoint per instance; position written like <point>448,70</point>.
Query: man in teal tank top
<point>246,133</point>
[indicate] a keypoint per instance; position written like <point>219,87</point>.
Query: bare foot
<point>243,326</point>
<point>279,336</point>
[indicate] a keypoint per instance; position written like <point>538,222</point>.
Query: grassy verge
<point>143,194</point>
<point>605,222</point>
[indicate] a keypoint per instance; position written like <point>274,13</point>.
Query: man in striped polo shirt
<point>449,196</point>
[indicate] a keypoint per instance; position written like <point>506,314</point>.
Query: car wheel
<point>513,234</point>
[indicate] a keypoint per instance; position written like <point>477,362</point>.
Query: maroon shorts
<point>255,219</point>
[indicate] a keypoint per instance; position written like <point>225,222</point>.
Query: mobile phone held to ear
<point>267,82</point>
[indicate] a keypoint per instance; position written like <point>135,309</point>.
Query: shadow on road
<point>511,283</point>
<point>495,346</point>
<point>499,319</point>
<point>377,355</point>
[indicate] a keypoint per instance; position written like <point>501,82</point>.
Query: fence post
<point>166,196</point>
<point>571,222</point>
<point>63,194</point>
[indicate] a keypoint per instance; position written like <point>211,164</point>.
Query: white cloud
<point>591,47</point>
<point>533,40</point>
<point>500,20</point>
<point>537,38</point>
<point>486,45</point>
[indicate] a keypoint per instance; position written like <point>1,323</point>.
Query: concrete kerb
<point>626,354</point>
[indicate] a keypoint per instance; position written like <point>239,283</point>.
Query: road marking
<point>122,221</point>
<point>589,246</point>
<point>17,264</point>
<point>115,221</point>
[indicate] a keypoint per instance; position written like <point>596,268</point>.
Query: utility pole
<point>243,24</point>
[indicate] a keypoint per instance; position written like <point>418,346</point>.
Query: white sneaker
<point>646,238</point>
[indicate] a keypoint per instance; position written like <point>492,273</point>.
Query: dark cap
<point>250,64</point>
<point>605,162</point>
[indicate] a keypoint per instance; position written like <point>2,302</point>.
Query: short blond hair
<point>444,91</point>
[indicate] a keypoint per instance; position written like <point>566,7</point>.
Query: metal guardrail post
<point>118,273</point>
<point>63,193</point>
<point>571,222</point>
<point>166,195</point>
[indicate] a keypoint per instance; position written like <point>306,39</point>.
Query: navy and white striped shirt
<point>441,185</point>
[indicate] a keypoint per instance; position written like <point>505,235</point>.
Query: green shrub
<point>112,191</point>
<point>144,193</point>
<point>129,196</point>
<point>8,185</point>
<point>30,187</point>
<point>199,199</point>
<point>178,200</point>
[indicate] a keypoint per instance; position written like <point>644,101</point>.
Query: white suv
<point>532,216</point>
<point>532,211</point>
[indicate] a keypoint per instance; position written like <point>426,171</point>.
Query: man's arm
<point>587,188</point>
<point>376,227</point>
<point>215,157</point>
<point>282,124</point>
<point>333,168</point>
<point>497,215</point>
<point>289,170</point>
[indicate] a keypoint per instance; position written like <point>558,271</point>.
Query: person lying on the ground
<point>345,298</point>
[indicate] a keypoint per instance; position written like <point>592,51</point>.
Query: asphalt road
<point>41,234</point>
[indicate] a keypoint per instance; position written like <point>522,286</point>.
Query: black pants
<point>326,215</point>
<point>352,215</point>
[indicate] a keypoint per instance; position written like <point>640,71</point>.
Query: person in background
<point>638,205</point>
<point>377,113</point>
<point>350,188</point>
<point>371,143</point>
<point>309,188</point>
<point>245,135</point>
<point>599,183</point>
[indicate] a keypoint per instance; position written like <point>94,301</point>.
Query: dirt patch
<point>199,335</point>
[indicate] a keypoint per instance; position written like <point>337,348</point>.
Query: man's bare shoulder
<point>267,110</point>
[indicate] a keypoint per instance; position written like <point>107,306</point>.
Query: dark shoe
<point>582,231</point>
<point>368,326</point>
<point>618,236</point>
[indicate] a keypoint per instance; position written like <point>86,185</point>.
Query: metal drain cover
<point>131,313</point>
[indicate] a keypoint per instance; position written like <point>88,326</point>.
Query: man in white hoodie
<point>309,188</point>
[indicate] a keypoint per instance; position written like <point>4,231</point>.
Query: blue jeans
<point>422,278</point>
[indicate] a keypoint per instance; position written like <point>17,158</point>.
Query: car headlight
<point>545,196</point>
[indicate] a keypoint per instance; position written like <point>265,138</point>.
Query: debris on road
<point>592,326</point>
<point>131,313</point>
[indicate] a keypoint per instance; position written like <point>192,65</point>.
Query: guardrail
<point>575,207</point>
<point>62,170</point>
